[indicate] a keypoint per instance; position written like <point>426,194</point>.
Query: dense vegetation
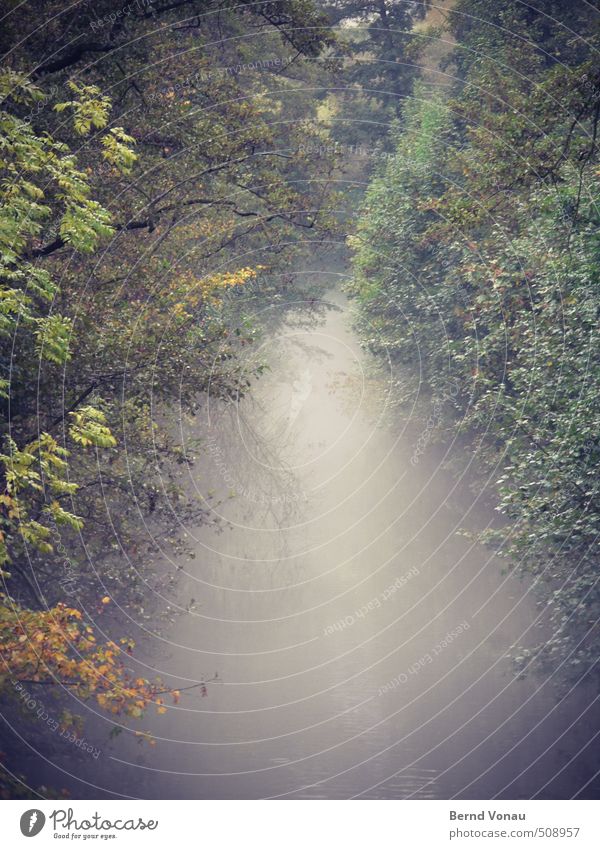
<point>145,148</point>
<point>160,158</point>
<point>477,262</point>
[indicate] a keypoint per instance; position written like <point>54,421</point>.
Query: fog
<point>354,642</point>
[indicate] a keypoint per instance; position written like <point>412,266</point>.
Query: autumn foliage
<point>56,647</point>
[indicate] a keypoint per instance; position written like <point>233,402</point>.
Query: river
<point>358,641</point>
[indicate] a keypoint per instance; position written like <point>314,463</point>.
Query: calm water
<point>360,642</point>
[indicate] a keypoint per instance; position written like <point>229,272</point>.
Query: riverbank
<point>360,643</point>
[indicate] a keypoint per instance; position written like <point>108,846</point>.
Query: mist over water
<point>359,642</point>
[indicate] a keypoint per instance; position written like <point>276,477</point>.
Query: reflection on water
<point>360,641</point>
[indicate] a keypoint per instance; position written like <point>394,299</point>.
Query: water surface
<point>360,642</point>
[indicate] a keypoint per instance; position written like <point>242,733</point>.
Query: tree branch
<point>71,57</point>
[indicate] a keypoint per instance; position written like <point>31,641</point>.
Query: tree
<point>476,265</point>
<point>380,65</point>
<point>144,148</point>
